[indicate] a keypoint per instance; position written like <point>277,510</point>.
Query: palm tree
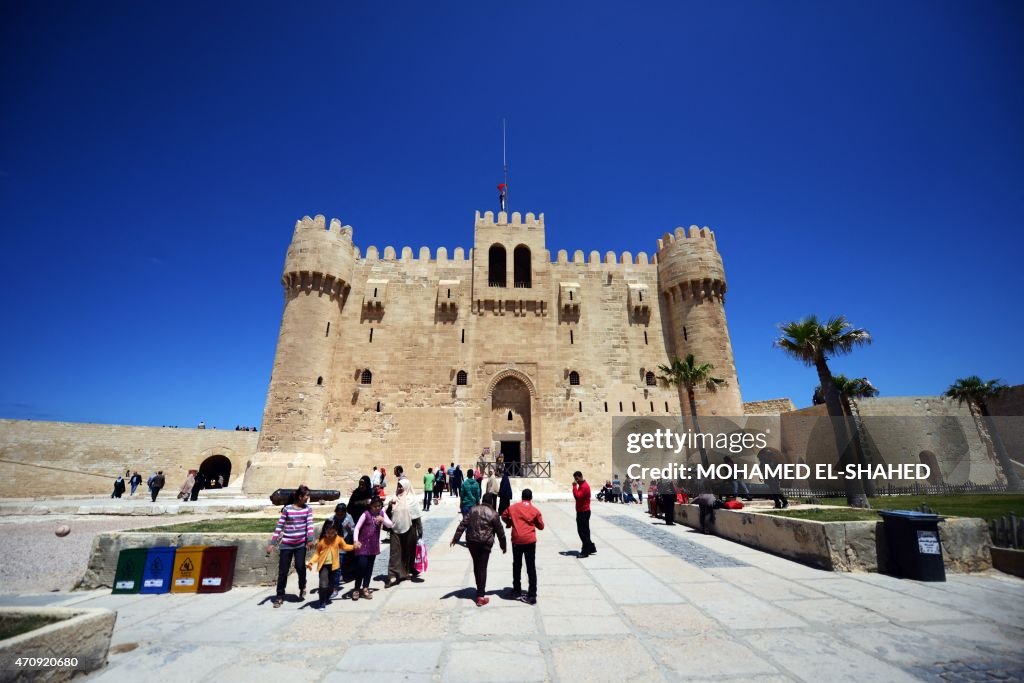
<point>813,343</point>
<point>860,387</point>
<point>689,374</point>
<point>976,393</point>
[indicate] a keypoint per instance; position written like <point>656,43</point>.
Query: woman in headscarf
<point>504,493</point>
<point>403,535</point>
<point>186,489</point>
<point>359,501</point>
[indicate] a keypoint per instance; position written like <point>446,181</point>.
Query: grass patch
<point>983,505</point>
<point>833,515</point>
<point>15,626</point>
<point>228,525</point>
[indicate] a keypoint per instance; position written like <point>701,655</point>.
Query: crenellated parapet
<point>423,255</point>
<point>320,256</point>
<point>690,266</point>
<point>488,220</point>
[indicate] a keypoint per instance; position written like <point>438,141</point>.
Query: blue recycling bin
<point>156,576</point>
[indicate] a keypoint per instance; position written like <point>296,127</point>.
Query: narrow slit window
<point>652,406</point>
<point>371,335</point>
<point>606,406</point>
<point>634,406</point>
<point>571,337</point>
<point>620,406</point>
<point>463,336</point>
<point>570,295</point>
<point>581,406</point>
<point>327,332</point>
<point>449,294</point>
<point>685,334</point>
<point>319,381</point>
<point>378,406</point>
<point>510,416</point>
<point>374,292</point>
<point>645,338</point>
<point>666,406</point>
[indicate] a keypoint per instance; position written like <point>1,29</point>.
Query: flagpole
<point>504,164</point>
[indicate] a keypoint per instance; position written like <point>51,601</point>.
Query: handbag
<point>420,563</point>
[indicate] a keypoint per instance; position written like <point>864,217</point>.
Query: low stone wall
<point>253,566</point>
<point>1008,560</point>
<point>842,546</point>
<point>82,634</point>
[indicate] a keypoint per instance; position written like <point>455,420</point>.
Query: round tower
<point>691,281</point>
<point>317,277</point>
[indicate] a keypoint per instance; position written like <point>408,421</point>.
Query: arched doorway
<point>511,422</point>
<point>216,466</point>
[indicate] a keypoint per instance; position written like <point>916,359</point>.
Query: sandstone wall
<point>65,458</point>
<point>772,406</point>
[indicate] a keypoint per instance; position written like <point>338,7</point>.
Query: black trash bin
<point>912,539</point>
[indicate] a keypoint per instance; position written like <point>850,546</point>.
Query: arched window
<point>462,379</point>
<point>319,381</point>
<point>650,379</point>
<point>574,378</point>
<point>366,377</point>
<point>496,266</point>
<point>521,275</point>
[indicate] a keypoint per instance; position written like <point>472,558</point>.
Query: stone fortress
<point>424,359</point>
<point>427,358</point>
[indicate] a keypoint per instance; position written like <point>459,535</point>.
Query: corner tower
<point>691,281</point>
<point>318,271</point>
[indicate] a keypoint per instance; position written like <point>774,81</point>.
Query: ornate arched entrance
<point>511,418</point>
<point>216,466</point>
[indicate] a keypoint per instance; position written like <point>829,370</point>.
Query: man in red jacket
<point>581,492</point>
<point>524,519</point>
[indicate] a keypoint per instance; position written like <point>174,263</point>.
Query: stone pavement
<point>655,603</point>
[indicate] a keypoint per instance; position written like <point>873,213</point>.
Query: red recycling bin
<point>218,571</point>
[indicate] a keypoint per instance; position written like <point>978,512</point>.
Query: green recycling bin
<point>912,539</point>
<point>131,562</point>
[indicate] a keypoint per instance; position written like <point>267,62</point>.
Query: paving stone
<point>391,658</point>
<point>693,553</point>
<point>709,655</point>
<point>496,661</point>
<point>604,660</point>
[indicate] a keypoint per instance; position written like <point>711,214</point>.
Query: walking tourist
<point>493,483</point>
<point>455,480</point>
<point>135,481</point>
<point>119,487</point>
<point>293,536</point>
<point>157,483</point>
<point>403,536</point>
<point>186,489</point>
<point>504,493</point>
<point>327,558</point>
<point>198,485</point>
<point>345,526</point>
<point>359,501</point>
<point>375,478</point>
<point>367,532</point>
<point>524,519</point>
<point>428,488</point>
<point>440,477</point>
<point>581,492</point>
<point>667,500</point>
<point>470,493</point>
<point>481,526</point>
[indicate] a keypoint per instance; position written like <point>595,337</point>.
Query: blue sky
<point>862,158</point>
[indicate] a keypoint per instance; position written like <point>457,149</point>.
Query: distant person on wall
<point>481,525</point>
<point>524,519</point>
<point>119,487</point>
<point>581,492</point>
<point>737,481</point>
<point>367,532</point>
<point>135,481</point>
<point>470,494</point>
<point>428,489</point>
<point>156,483</point>
<point>667,500</point>
<point>202,425</point>
<point>293,536</point>
<point>505,494</point>
<point>376,476</point>
<point>360,499</point>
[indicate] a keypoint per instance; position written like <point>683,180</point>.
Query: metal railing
<point>495,283</point>
<point>522,284</point>
<point>890,490</point>
<point>517,469</point>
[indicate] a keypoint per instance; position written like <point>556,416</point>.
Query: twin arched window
<point>497,265</point>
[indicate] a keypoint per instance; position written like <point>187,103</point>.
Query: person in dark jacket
<point>667,500</point>
<point>158,483</point>
<point>359,501</point>
<point>118,487</point>
<point>455,480</point>
<point>504,494</point>
<point>481,525</point>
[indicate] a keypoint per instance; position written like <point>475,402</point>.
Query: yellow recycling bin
<point>188,560</point>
